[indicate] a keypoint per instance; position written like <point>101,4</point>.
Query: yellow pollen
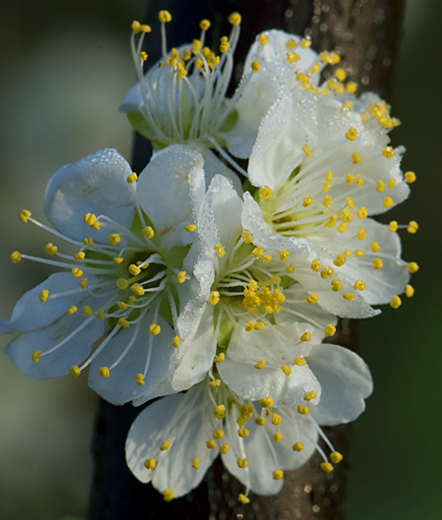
<point>249,326</point>
<point>243,432</point>
<point>356,158</point>
<point>291,44</point>
<point>220,358</point>
<point>215,383</point>
<point>393,226</point>
<point>339,262</point>
<point>168,494</point>
<point>74,371</point>
<point>190,228</point>
<point>214,297</point>
<point>327,187</point>
<point>349,178</point>
<point>154,329</point>
<point>261,364</point>
<point>284,254</point>
<point>87,310</point>
<point>332,221</point>
<point>258,252</point>
<point>181,276</point>
<point>298,446</point>
<point>377,263</point>
<point>243,499</point>
<point>348,296</point>
<point>122,305</point>
<point>137,289</point>
<point>79,256</point>
<point>220,251</point>
<point>307,336</point>
<point>266,259</point>
<point>362,212</point>
<point>122,283</point>
<point>24,214</point>
<point>305,43</point>
<point>299,361</point>
<point>293,58</point>
<point>388,202</point>
<point>351,87</point>
<point>205,25</point>
<point>72,309</point>
<point>114,239</point>
<point>255,66</point>
<point>136,27</point>
<point>124,323</point>
<point>235,18</point>
<point>220,411</point>
<point>362,235</point>
<point>266,402</point>
<point>303,410</point>
<point>139,378</point>
<point>276,419</point>
<point>336,457</point>
<point>375,247</point>
<point>350,202</point>
<point>196,463</point>
<point>78,273</point>
<point>330,330</point>
<point>360,285</point>
<point>316,67</point>
<point>142,56</point>
<point>104,372</point>
<point>278,474</point>
<point>340,74</point>
<point>307,202</point>
<point>50,249</point>
<point>247,237</point>
<point>391,183</point>
<point>395,302</point>
<point>316,265</point>
<point>101,314</point>
<point>260,421</point>
<point>364,117</point>
<point>388,152</point>
<point>351,134</point>
<point>134,270</point>
<point>265,192</point>
<point>263,39</point>
<point>150,464</point>
<point>44,295</point>
<point>306,150</point>
<point>224,449</point>
<point>327,467</point>
<point>277,437</point>
<point>290,268</point>
<point>148,232</point>
<point>164,16</point>
<point>88,241</point>
<point>410,177</point>
<point>242,463</point>
<point>409,291</point>
<point>311,395</point>
<point>358,253</point>
<point>259,325</point>
<point>313,298</point>
<point>328,175</point>
<point>286,369</point>
<point>165,446</point>
<point>413,226</point>
<point>36,356</point>
<point>342,227</point>
<point>145,28</point>
<point>336,285</point>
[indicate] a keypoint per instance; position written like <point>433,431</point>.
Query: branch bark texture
<point>366,35</point>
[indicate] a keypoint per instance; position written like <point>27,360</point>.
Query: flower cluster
<point>180,283</point>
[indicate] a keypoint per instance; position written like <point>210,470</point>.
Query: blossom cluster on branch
<point>182,283</point>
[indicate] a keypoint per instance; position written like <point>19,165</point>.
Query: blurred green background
<point>65,66</point>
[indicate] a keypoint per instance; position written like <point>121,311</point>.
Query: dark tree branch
<point>366,34</point>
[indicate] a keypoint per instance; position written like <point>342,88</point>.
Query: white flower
<point>323,169</point>
<point>182,98</point>
<point>123,280</point>
<point>174,441</point>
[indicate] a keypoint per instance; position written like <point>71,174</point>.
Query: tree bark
<point>365,33</point>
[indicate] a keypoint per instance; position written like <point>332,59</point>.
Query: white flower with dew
<point>322,169</point>
<point>121,286</point>
<point>173,442</point>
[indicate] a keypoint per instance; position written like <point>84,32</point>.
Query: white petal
<point>121,386</point>
<point>56,364</point>
<point>345,381</point>
<point>163,192</point>
<point>30,313</point>
<point>96,184</point>
<point>183,420</point>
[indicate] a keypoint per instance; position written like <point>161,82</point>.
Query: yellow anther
<point>326,187</point>
<point>265,192</point>
<point>303,410</point>
<point>412,267</point>
<point>260,421</point>
<point>393,226</point>
<point>136,27</point>
<point>350,202</point>
<point>328,175</point>
<point>286,369</point>
<point>91,220</point>
<point>165,446</point>
<point>101,314</point>
<point>330,330</point>
<point>74,371</point>
<point>413,226</point>
<point>168,495</point>
<point>150,464</point>
<point>124,323</point>
<point>43,295</point>
<point>391,183</point>
<point>154,329</point>
<point>36,356</point>
<point>190,228</point>
<point>342,227</point>
<point>139,378</point>
<point>375,247</point>
<point>364,117</point>
<point>388,152</point>
<point>395,302</point>
<point>336,457</point>
<point>348,296</point>
<point>255,66</point>
<point>362,235</point>
<point>258,252</point>
<point>24,214</point>
<point>340,74</point>
<point>241,421</point>
<point>409,291</point>
<point>205,25</point>
<point>114,239</point>
<point>332,221</point>
<point>306,150</point>
<point>293,58</point>
<point>133,176</point>
<point>351,87</point>
<point>360,285</point>
<point>327,467</point>
<point>316,67</point>
<point>142,56</point>
<point>122,283</point>
<point>220,251</point>
<point>299,361</point>
<point>214,297</point>
<point>305,43</point>
<point>291,44</point>
<point>145,28</point>
<point>134,270</point>
<point>358,253</point>
<point>276,419</point>
<point>72,310</point>
<point>87,310</point>
<point>349,178</point>
<point>263,39</point>
<point>362,212</point>
<point>351,134</point>
<point>235,19</point>
<point>312,298</point>
<point>307,336</point>
<point>196,463</point>
<point>104,372</point>
<point>215,383</point>
<point>79,256</point>
<point>316,265</point>
<point>181,276</point>
<point>164,16</point>
<point>224,449</point>
<point>298,446</point>
<point>290,268</point>
<point>88,241</point>
<point>266,259</point>
<point>336,285</point>
<point>261,364</point>
<point>220,411</point>
<point>377,263</point>
<point>122,305</point>
<point>243,499</point>
<point>242,463</point>
<point>78,273</point>
<point>277,437</point>
<point>137,289</point>
<point>249,326</point>
<point>311,395</point>
<point>247,237</point>
<point>388,202</point>
<point>410,177</point>
<point>339,262</point>
<point>266,402</point>
<point>356,158</point>
<point>50,249</point>
<point>307,202</point>
<point>347,253</point>
<point>243,432</point>
<point>278,474</point>
<point>148,232</point>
